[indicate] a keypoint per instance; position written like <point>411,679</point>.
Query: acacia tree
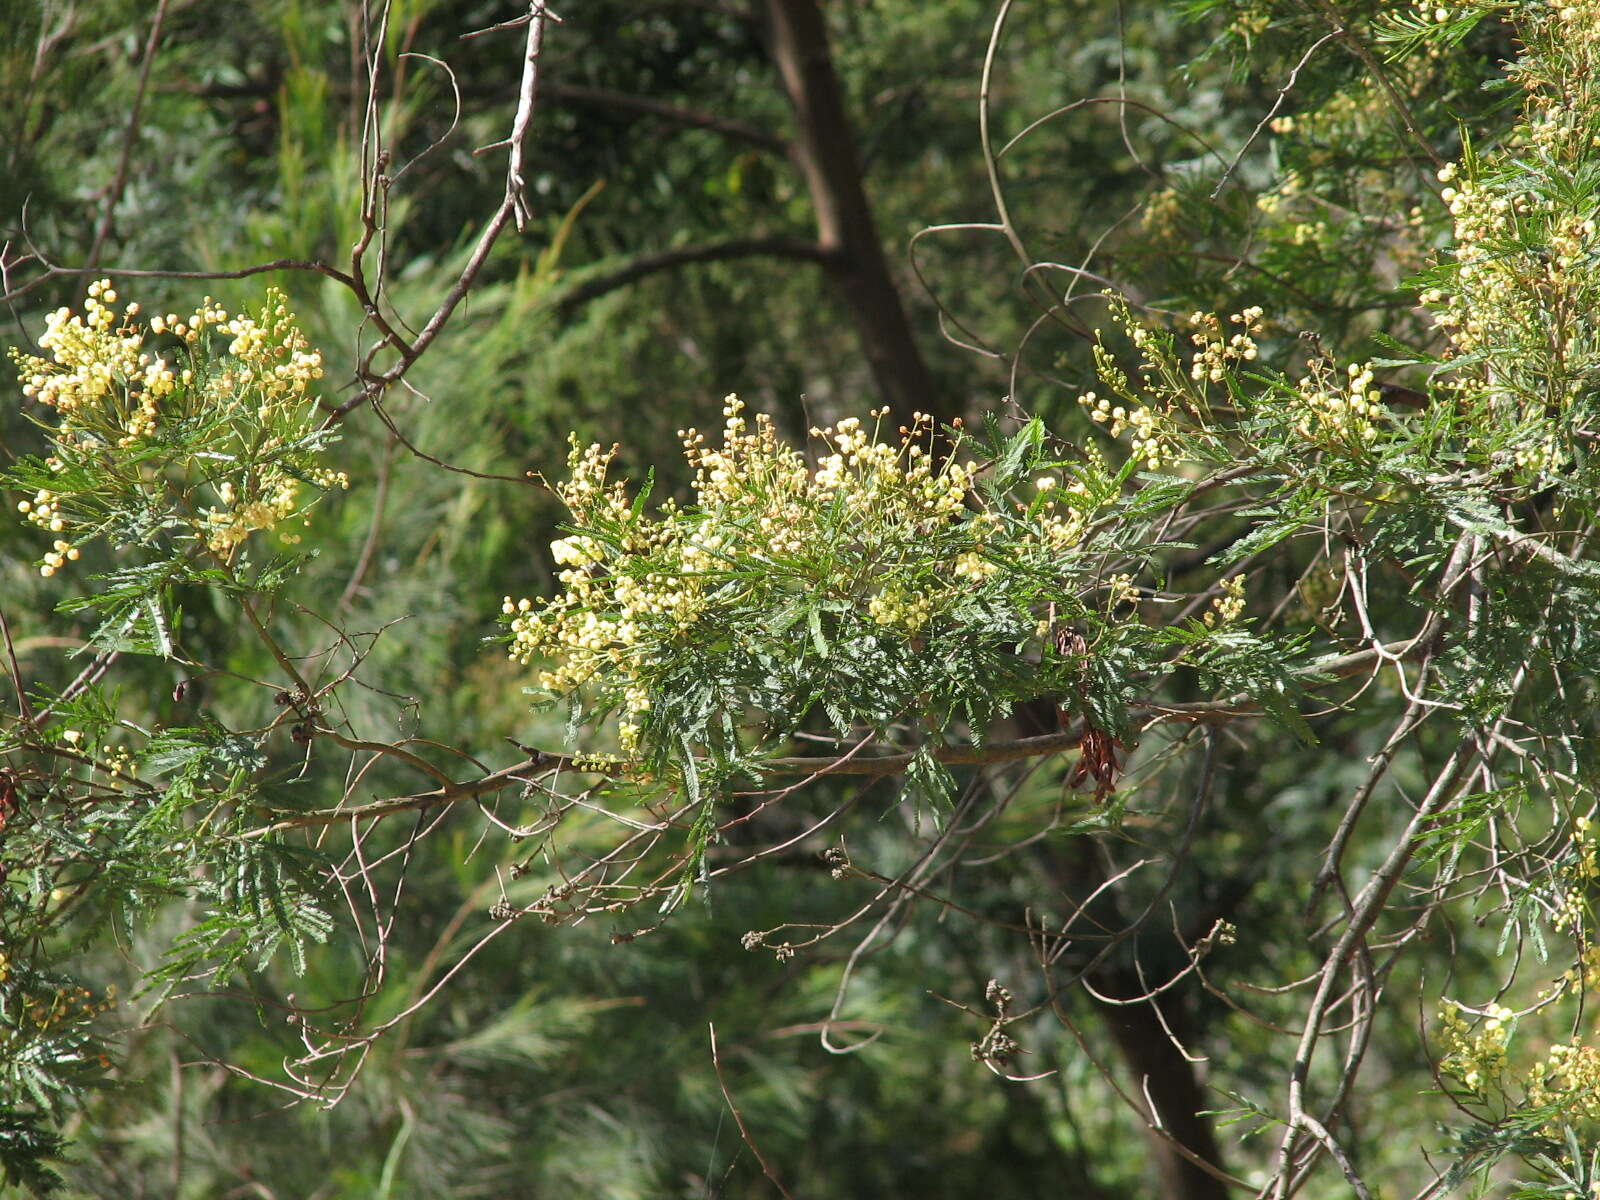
<point>1108,668</point>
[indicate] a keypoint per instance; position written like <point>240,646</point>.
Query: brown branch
<point>409,354</point>
<point>695,118</point>
<point>738,1119</point>
<point>1211,711</point>
<point>51,271</point>
<point>495,781</point>
<point>704,252</point>
<point>896,764</point>
<point>1202,712</point>
<point>511,209</point>
<point>24,709</point>
<point>1367,907</point>
<point>575,93</point>
<point>825,155</point>
<point>527,98</point>
<point>732,11</point>
<point>1358,47</point>
<point>1283,94</point>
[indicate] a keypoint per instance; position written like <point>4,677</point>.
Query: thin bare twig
<point>527,97</point>
<point>726,250</point>
<point>738,1119</point>
<point>130,137</point>
<point>1277,103</point>
<point>24,709</point>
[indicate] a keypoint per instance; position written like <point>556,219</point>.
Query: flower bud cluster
<point>1145,423</point>
<point>1564,1083</point>
<point>901,609</point>
<point>1579,873</point>
<point>1156,409</point>
<point>98,369</point>
<point>1214,352</point>
<point>232,426</point>
<point>1476,1056</point>
<point>1336,410</point>
<point>1228,607</point>
<point>1121,589</point>
<point>227,525</point>
<point>44,510</point>
<point>891,531</point>
<point>1519,292</point>
<point>1568,1082</point>
<point>1585,866</point>
<point>1060,513</point>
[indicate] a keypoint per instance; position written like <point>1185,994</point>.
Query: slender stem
<point>24,709</point>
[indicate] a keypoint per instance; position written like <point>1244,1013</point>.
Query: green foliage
<point>1286,558</point>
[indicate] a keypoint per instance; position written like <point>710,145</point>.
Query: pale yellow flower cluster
<point>1289,189</point>
<point>44,510</point>
<point>1565,1081</point>
<point>1568,912</point>
<point>1568,1080</point>
<point>1120,589</point>
<point>1340,410</point>
<point>1586,974</point>
<point>1173,398</point>
<point>109,392</point>
<point>120,763</point>
<point>757,504</point>
<point>593,626</point>
<point>1525,288</point>
<point>1495,293</point>
<point>1173,390</point>
<point>1228,607</point>
<point>230,524</point>
<point>1162,212</point>
<point>1586,844</point>
<point>1251,19</point>
<point>60,554</point>
<point>901,609</point>
<point>270,366</point>
<point>1580,874</point>
<point>98,369</point>
<point>1060,523</point>
<point>1475,1056</point>
<point>974,566</point>
<point>271,363</point>
<point>867,474</point>
<point>1145,423</point>
<point>1214,353</point>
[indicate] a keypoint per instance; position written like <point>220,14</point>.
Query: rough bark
<point>824,151</point>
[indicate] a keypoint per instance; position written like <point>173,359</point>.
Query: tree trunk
<point>1167,1080</point>
<point>1159,1072</point>
<point>824,151</point>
